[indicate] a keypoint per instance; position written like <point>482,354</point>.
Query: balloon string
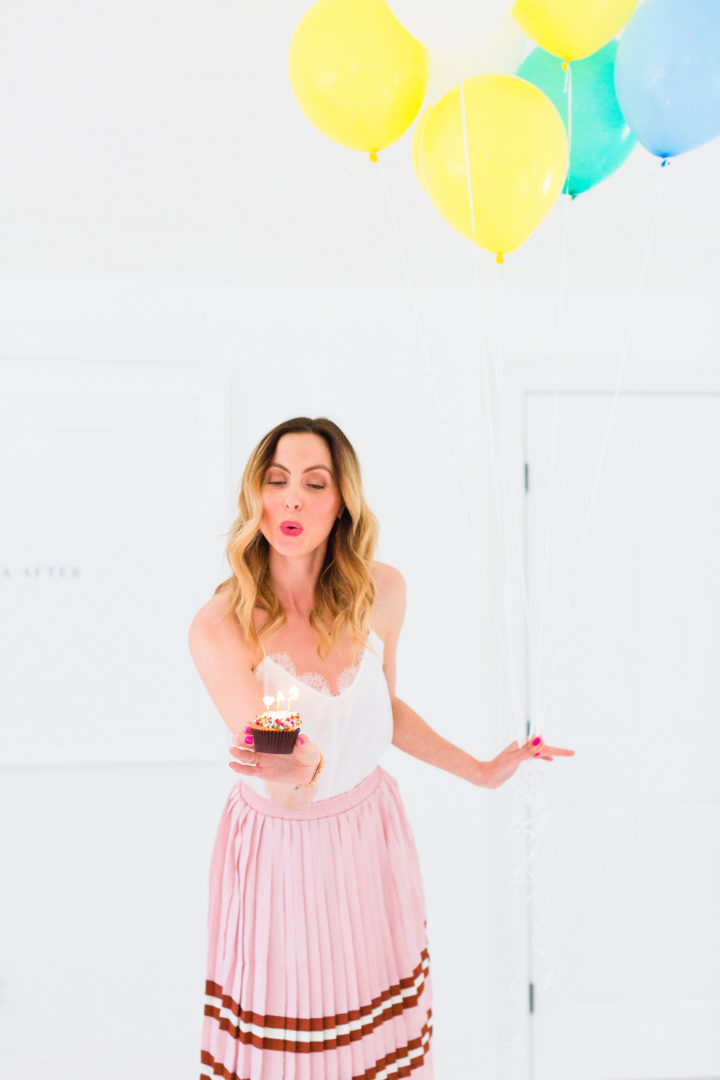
<point>568,83</point>
<point>527,797</point>
<point>525,781</point>
<point>568,91</point>
<point>490,426</point>
<point>492,325</point>
<point>497,354</point>
<point>536,656</point>
<point>443,419</point>
<point>529,808</point>
<point>500,383</point>
<point>499,511</point>
<point>531,882</point>
<point>618,380</point>
<point>467,160</point>
<point>498,469</point>
<point>357,165</point>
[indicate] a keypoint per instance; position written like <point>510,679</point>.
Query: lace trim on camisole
<point>313,678</point>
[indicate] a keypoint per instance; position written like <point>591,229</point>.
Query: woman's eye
<point>279,483</point>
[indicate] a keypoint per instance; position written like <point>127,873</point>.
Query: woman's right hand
<point>295,768</point>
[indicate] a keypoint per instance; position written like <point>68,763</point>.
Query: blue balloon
<point>600,138</point>
<point>667,74</point>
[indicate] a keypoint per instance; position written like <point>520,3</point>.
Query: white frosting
<point>284,713</point>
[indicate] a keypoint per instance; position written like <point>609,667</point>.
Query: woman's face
<point>301,499</point>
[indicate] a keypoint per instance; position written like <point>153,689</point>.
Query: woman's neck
<point>294,581</point>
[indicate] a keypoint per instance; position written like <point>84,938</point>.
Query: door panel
<point>630,852</point>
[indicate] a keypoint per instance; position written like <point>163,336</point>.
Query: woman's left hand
<point>508,760</point>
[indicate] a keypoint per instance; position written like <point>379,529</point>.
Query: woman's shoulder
<point>390,598</point>
<point>218,607</point>
<point>217,618</point>
<point>389,582</point>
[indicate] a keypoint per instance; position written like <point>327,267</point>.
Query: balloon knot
<point>665,161</point>
<point>373,155</point>
<point>565,65</point>
<point>499,257</point>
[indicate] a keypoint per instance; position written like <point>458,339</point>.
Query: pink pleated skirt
<point>318,963</point>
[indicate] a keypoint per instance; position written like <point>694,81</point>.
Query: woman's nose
<point>292,500</point>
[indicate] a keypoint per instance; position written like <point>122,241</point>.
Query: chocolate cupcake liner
<point>274,742</point>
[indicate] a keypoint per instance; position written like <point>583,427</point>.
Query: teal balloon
<point>600,139</point>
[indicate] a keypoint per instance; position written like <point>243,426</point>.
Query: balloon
<point>518,155</point>
<point>417,143</point>
<point>600,138</point>
<point>572,29</point>
<point>498,53</point>
<point>667,74</point>
<point>450,25</point>
<point>356,73</point>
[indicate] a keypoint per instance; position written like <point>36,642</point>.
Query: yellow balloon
<point>417,142</point>
<point>356,73</point>
<point>572,29</point>
<point>517,150</point>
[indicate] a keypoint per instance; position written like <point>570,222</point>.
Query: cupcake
<point>275,731</point>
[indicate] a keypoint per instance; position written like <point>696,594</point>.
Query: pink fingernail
<point>249,739</point>
<point>301,739</point>
<point>537,754</point>
<point>248,729</point>
<point>536,741</point>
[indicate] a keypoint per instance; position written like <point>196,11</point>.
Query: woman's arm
<point>410,732</point>
<point>415,737</point>
<point>224,663</point>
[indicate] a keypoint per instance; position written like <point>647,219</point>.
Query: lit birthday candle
<point>268,701</point>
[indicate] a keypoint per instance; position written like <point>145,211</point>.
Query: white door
<point>626,969</point>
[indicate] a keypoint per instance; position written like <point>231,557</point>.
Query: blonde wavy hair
<point>345,589</point>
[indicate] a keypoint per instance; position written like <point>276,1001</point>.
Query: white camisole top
<point>353,728</point>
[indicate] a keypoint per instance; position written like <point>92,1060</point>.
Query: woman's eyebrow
<point>310,468</point>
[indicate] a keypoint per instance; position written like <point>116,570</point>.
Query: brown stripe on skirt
<point>294,1023</point>
<point>422,1043</point>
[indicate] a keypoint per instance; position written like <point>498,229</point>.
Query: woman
<point>318,960</point>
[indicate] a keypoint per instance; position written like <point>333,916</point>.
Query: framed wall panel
<point>115,495</point>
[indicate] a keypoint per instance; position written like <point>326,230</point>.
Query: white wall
<point>165,202</point>
<point>109,865</point>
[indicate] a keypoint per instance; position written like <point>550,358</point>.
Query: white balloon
<point>448,25</point>
<point>498,53</point>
